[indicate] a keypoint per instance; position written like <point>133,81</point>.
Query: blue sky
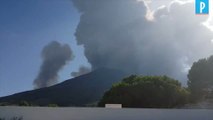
<point>26,26</point>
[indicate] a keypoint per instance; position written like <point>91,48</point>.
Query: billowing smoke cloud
<point>117,34</point>
<point>82,70</point>
<point>54,56</point>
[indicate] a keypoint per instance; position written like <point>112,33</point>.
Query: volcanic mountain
<point>79,91</point>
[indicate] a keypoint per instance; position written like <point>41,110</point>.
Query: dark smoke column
<point>117,34</point>
<point>55,56</point>
<point>107,31</point>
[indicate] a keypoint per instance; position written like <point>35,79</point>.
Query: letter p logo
<point>202,6</point>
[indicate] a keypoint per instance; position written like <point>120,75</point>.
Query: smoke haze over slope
<point>82,70</point>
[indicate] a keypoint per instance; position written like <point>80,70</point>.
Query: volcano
<point>84,90</point>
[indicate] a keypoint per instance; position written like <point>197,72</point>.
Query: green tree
<point>24,103</point>
<point>4,104</point>
<point>146,92</point>
<point>200,78</point>
<point>52,105</point>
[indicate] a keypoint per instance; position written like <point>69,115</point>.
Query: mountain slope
<point>78,91</point>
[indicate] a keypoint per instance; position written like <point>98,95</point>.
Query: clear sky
<point>26,26</point>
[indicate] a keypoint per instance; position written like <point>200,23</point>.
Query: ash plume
<point>117,34</point>
<point>54,56</point>
<point>82,70</point>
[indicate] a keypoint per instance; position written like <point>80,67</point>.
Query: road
<point>72,113</point>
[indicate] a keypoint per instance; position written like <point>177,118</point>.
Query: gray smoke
<point>117,34</point>
<point>82,70</point>
<point>54,56</point>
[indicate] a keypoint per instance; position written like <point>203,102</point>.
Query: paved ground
<point>44,113</point>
